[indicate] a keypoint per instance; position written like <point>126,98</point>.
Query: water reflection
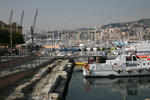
<point>127,86</point>
<point>124,88</point>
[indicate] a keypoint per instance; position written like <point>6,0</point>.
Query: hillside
<point>137,23</point>
<point>145,21</point>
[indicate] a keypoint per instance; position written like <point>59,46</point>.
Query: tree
<point>5,38</point>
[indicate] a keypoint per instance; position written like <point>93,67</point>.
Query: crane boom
<point>21,21</point>
<point>33,27</point>
<point>35,18</point>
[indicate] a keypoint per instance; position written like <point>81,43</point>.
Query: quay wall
<point>14,77</point>
<point>7,80</point>
<point>16,61</point>
<point>60,89</point>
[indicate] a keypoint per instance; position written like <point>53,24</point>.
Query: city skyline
<point>67,14</point>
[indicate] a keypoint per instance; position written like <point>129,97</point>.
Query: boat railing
<point>124,65</point>
<point>116,65</point>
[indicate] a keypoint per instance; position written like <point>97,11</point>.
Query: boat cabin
<point>131,58</point>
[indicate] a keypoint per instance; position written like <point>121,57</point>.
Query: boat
<point>144,56</point>
<point>123,65</point>
<point>80,61</point>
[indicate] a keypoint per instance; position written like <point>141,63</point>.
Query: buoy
<point>86,66</point>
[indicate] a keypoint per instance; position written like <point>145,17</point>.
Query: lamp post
<point>10,20</point>
<point>11,38</point>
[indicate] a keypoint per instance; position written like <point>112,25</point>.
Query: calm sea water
<point>127,88</point>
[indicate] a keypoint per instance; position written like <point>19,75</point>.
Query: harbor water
<point>123,88</point>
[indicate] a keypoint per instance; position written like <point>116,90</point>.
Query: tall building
<point>15,28</point>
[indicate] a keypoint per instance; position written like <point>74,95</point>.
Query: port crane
<point>33,27</point>
<point>31,46</point>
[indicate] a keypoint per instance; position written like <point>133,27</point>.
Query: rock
<point>63,74</point>
<point>69,65</point>
<point>20,96</point>
<point>54,96</point>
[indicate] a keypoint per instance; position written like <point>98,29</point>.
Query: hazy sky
<point>72,14</point>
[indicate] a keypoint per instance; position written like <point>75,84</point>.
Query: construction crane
<point>21,20</point>
<point>35,18</point>
<point>32,32</point>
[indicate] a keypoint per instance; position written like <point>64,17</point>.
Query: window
<point>128,58</point>
<point>134,58</point>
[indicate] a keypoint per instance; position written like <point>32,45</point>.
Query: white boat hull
<point>113,73</point>
<point>120,66</point>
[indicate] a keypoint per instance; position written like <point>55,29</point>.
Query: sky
<point>73,14</point>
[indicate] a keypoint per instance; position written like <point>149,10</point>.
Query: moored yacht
<point>123,65</point>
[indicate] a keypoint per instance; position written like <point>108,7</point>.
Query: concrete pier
<point>47,83</point>
<point>46,88</point>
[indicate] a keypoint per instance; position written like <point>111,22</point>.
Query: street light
<point>10,20</point>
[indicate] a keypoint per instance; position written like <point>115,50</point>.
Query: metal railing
<point>15,63</point>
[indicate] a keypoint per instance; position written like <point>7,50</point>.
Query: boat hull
<point>112,73</point>
<point>80,63</point>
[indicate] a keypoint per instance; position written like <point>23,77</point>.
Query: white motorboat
<point>123,65</point>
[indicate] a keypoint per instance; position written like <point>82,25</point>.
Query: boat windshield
<point>131,58</point>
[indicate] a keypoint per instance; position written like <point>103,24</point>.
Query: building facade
<point>14,27</point>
